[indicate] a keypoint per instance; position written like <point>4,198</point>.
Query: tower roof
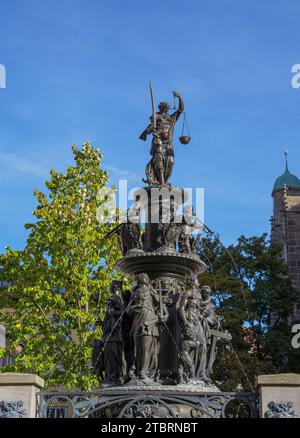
<point>287,179</point>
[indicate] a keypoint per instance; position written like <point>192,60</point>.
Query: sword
<point>153,107</point>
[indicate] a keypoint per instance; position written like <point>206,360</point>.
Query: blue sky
<point>79,70</point>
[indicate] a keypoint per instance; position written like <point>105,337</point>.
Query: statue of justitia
<point>161,127</point>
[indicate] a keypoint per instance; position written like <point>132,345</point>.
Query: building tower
<point>285,224</point>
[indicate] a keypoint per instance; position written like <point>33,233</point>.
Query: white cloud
<point>116,173</point>
<point>22,164</point>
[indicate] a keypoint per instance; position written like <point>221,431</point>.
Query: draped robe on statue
<point>145,334</point>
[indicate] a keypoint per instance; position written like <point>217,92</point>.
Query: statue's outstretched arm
<point>180,105</point>
<point>143,135</point>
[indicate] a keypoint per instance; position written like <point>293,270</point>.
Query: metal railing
<point>145,403</point>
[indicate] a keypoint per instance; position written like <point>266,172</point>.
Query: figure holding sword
<point>160,167</point>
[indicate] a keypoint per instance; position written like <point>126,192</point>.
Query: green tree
<point>58,283</point>
<point>250,282</point>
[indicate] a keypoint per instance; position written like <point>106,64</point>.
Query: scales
<point>185,139</point>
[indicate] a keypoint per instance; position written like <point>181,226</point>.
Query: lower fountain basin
<point>157,264</point>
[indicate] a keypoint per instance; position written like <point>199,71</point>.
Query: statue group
<point>129,351</point>
<point>165,329</point>
<point>174,234</point>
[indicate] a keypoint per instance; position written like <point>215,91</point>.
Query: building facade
<point>285,226</point>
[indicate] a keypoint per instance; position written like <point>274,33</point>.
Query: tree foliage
<point>58,283</point>
<point>250,282</point>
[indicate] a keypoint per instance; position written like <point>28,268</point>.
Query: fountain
<point>159,339</point>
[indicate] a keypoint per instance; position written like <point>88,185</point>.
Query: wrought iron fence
<point>147,404</point>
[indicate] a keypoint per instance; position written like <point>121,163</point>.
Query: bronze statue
<point>201,351</point>
<point>169,231</point>
<point>129,233</point>
<point>211,328</point>
<point>196,316</point>
<point>128,340</point>
<point>112,341</point>
<point>129,237</point>
<point>145,331</point>
<point>160,167</point>
<point>98,359</point>
<point>188,312</point>
<point>187,243</point>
